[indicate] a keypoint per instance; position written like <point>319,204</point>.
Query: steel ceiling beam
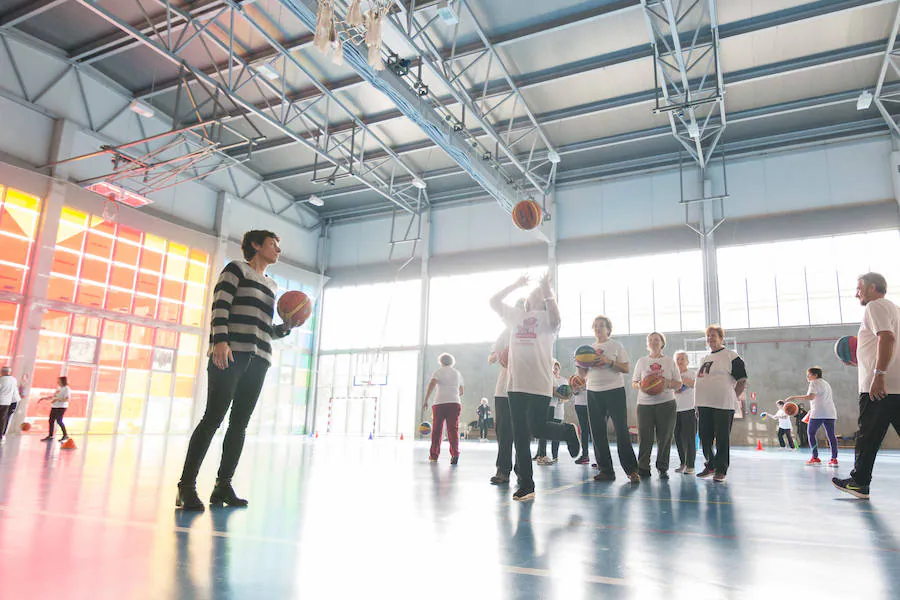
<point>346,154</point>
<point>628,100</point>
<point>884,97</point>
<point>27,11</point>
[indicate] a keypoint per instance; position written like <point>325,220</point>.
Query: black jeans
<point>685,432</point>
<point>9,417</point>
<point>503,427</point>
<point>611,405</point>
<point>237,386</point>
<point>56,416</point>
<point>542,443</point>
<point>802,435</point>
<point>715,427</point>
<point>782,433</point>
<point>529,419</point>
<point>483,427</point>
<point>585,425</point>
<point>875,417</point>
<point>4,418</point>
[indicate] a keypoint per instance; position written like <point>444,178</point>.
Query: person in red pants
<point>449,384</point>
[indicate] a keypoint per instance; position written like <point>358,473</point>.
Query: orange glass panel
<point>118,300</point>
<point>199,256</point>
<point>54,320</point>
<point>102,225</point>
<point>94,270</point>
<point>122,277</point>
<point>11,278</point>
<point>9,313</point>
<point>168,311</point>
<point>130,234</point>
<point>127,253</point>
<point>192,316</point>
<point>84,325</point>
<point>172,290</point>
<point>72,225</point>
<point>166,339</point>
<point>65,263</point>
<point>80,377</point>
<point>108,380</point>
<point>112,353</point>
<point>138,358</point>
<point>22,199</point>
<point>184,387</point>
<point>144,306</point>
<point>6,337</point>
<point>18,220</point>
<point>148,283</point>
<point>141,335</point>
<point>51,347</point>
<point>161,384</point>
<point>15,250</point>
<point>60,289</point>
<point>44,377</point>
<point>90,294</point>
<point>115,331</point>
<point>98,245</point>
<point>77,408</point>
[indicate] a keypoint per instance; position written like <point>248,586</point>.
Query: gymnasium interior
<point>692,162</point>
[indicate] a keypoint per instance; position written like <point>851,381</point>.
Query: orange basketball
<point>577,382</point>
<point>294,307</point>
<point>790,409</point>
<point>527,215</point>
<point>26,426</point>
<point>653,384</point>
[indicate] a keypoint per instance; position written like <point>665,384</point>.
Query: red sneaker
<point>814,461</point>
<point>833,462</point>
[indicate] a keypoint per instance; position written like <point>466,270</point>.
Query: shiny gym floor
<point>348,518</point>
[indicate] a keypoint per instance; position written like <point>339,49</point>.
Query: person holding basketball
<point>606,400</point>
<point>784,424</point>
<point>656,377</point>
<point>532,331</point>
<point>240,353</point>
<point>721,378</point>
<point>822,413</point>
<point>878,377</point>
<point>446,408</point>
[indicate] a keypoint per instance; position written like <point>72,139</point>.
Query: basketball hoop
<point>370,368</point>
<point>110,208</point>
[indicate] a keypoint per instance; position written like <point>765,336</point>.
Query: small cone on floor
<point>759,445</point>
<point>401,437</point>
<point>370,435</point>
<point>317,435</point>
<point>69,444</point>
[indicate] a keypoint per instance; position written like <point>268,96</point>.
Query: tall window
<point>802,282</point>
<point>19,215</point>
<point>660,292</point>
<point>459,309</point>
<point>371,316</point>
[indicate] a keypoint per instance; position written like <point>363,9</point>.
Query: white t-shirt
<point>880,315</point>
<point>9,390</point>
<point>601,379</point>
<point>579,398</point>
<point>61,398</point>
<point>558,406</point>
<point>718,373</point>
<point>684,397</point>
<point>500,345</point>
<point>530,351</point>
<point>822,406</point>
<point>665,366</point>
<point>448,382</point>
<point>784,421</point>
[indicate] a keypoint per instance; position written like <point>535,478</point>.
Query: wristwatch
<point>878,372</point>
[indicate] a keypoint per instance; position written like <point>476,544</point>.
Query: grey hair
<point>876,279</point>
<point>446,360</point>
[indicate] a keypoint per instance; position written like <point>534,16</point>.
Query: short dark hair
<point>63,380</point>
<point>817,371</point>
<point>876,279</point>
<point>779,403</point>
<point>255,236</point>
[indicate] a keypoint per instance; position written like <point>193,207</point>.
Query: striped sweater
<point>242,310</point>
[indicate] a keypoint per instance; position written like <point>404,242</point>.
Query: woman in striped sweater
<point>240,352</point>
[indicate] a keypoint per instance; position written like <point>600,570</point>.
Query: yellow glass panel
<point>189,344</point>
<point>136,382</point>
<point>131,416</point>
<point>184,387</point>
<point>103,413</point>
<point>192,316</point>
<point>175,266</point>
<point>186,364</point>
<point>161,384</point>
<point>22,199</point>
<point>72,224</point>
<point>195,295</point>
<point>23,220</point>
<point>155,243</point>
<point>178,249</point>
<point>197,273</point>
<point>54,320</point>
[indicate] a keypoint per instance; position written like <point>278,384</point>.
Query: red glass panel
<point>166,339</point>
<point>94,270</point>
<point>54,320</point>
<point>144,306</point>
<point>127,253</point>
<point>44,377</point>
<point>152,261</point>
<point>65,263</point>
<point>112,354</point>
<point>138,358</point>
<point>173,290</point>
<point>114,330</point>
<point>169,311</point>
<point>80,377</point>
<point>108,380</point>
<point>90,294</point>
<point>122,277</point>
<point>148,283</point>
<point>98,245</point>
<point>61,289</point>
<point>84,325</point>
<point>130,234</point>
<point>118,300</point>
<point>14,249</point>
<point>77,405</point>
<point>11,278</point>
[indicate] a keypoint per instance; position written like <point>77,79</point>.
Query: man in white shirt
<point>879,380</point>
<point>9,397</point>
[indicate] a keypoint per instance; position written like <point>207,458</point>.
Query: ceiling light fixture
<point>268,71</point>
<point>419,183</point>
<point>865,100</point>
<point>315,201</point>
<point>142,108</point>
<point>553,157</point>
<point>447,12</point>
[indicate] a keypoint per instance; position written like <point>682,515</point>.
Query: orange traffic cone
<point>69,444</point>
<point>401,437</point>
<point>317,435</point>
<point>759,445</point>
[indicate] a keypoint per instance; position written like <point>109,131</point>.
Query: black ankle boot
<point>223,493</point>
<point>187,498</point>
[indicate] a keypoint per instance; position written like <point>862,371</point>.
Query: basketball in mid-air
<point>527,215</point>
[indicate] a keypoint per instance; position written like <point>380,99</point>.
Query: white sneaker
<point>552,461</point>
<point>688,471</point>
<point>543,461</point>
<point>680,469</point>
